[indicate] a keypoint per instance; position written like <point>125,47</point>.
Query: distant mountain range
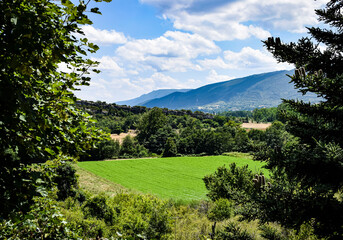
<point>140,101</point>
<point>248,93</point>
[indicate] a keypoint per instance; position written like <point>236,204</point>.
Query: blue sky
<point>147,45</point>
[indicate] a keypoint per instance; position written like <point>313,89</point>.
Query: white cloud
<point>103,37</point>
<point>214,77</point>
<point>247,58</point>
<point>214,63</point>
<point>99,89</point>
<point>223,20</point>
<point>174,51</point>
<point>109,65</point>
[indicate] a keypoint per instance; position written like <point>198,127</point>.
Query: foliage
<point>144,215</point>
<point>271,233</point>
<point>65,179</point>
<point>311,167</point>
<point>170,149</point>
<point>21,185</point>
<point>130,148</point>
<point>265,114</point>
<point>150,123</point>
<point>43,221</point>
<point>233,183</point>
<point>105,149</point>
<point>221,210</point>
<point>127,216</point>
<point>38,118</point>
<point>98,207</point>
<point>233,232</point>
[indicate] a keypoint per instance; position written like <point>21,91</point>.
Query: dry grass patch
<point>95,184</point>
<point>259,126</point>
<point>121,136</point>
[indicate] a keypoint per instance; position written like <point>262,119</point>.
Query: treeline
<point>114,118</point>
<point>262,115</point>
<point>171,135</point>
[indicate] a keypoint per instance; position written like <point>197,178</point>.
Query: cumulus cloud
<point>223,20</point>
<point>103,37</point>
<point>173,51</point>
<point>109,65</point>
<point>247,58</point>
<point>214,77</point>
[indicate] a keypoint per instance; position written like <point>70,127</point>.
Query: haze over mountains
<point>149,96</point>
<point>248,93</point>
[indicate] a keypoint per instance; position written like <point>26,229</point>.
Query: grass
<point>179,178</point>
<point>96,184</point>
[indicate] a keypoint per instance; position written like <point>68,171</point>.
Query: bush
<point>99,207</point>
<point>271,233</point>
<point>233,183</point>
<point>233,232</point>
<point>66,180</point>
<point>44,221</point>
<point>143,215</point>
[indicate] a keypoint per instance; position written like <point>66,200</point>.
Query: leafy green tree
<point>233,183</point>
<point>128,146</point>
<point>309,173</point>
<point>170,149</point>
<point>105,149</point>
<point>38,117</point>
<point>150,123</point>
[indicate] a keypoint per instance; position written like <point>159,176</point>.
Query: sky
<point>147,45</point>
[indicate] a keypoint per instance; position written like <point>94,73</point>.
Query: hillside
<point>139,101</point>
<point>248,93</point>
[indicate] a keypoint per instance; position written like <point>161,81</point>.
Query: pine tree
<point>309,173</point>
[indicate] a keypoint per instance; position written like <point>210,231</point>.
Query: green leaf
<point>22,118</point>
<point>50,151</point>
<point>95,10</point>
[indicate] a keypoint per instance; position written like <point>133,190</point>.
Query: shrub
<point>233,232</point>
<point>66,180</point>
<point>99,207</point>
<point>43,221</point>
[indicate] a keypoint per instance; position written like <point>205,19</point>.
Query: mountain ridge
<point>246,93</point>
<point>149,96</point>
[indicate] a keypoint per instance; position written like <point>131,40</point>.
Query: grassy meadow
<point>179,178</point>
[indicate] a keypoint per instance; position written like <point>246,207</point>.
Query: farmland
<point>179,178</point>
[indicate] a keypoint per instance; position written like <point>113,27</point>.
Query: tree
<point>38,118</point>
<point>153,130</point>
<point>308,179</point>
<point>150,123</point>
<point>170,149</point>
<point>127,147</point>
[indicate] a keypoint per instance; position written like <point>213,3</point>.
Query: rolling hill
<point>247,93</point>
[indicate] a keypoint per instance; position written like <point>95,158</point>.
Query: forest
<point>175,133</point>
<point>45,130</point>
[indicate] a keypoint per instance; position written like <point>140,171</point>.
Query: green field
<point>177,178</point>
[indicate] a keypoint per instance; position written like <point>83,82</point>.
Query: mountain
<point>139,101</point>
<point>247,93</point>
